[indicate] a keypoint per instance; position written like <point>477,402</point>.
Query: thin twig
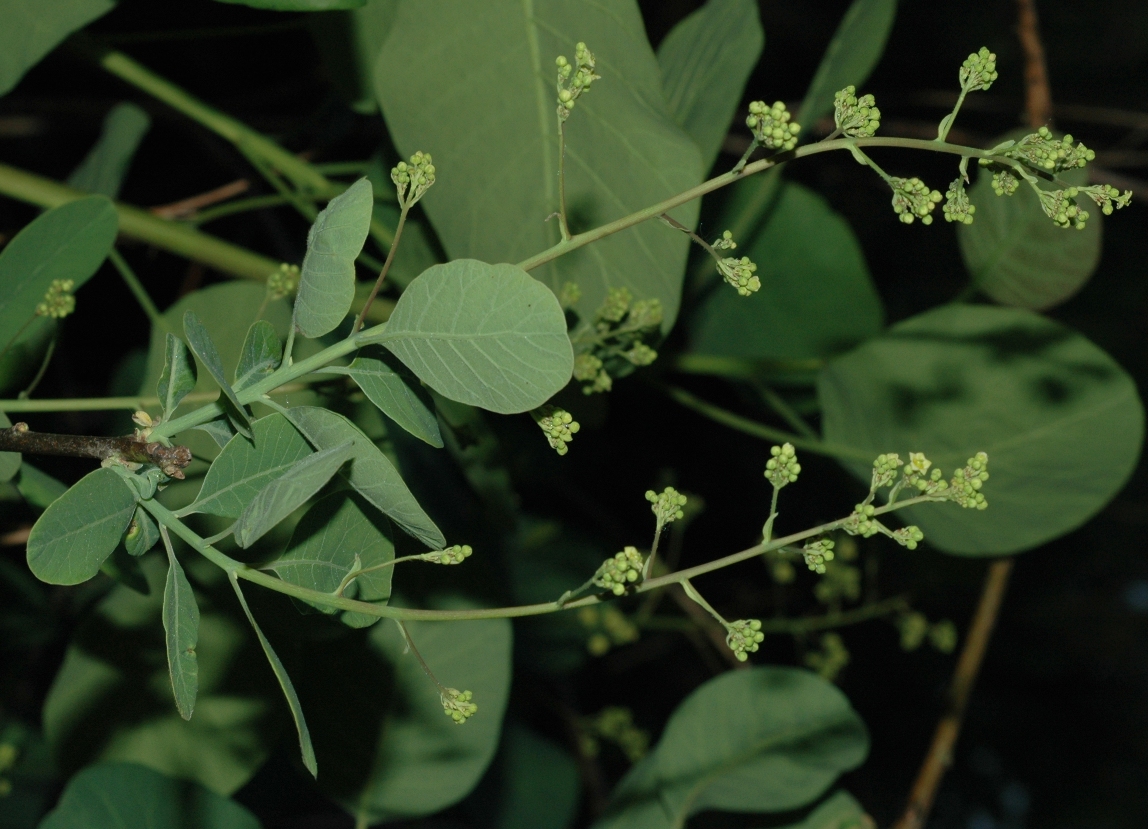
<point>171,459</point>
<point>186,207</point>
<point>1037,97</point>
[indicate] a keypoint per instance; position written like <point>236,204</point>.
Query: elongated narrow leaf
<point>962,379</point>
<point>200,342</point>
<point>485,335</point>
<point>306,749</point>
<point>181,630</point>
<point>142,534</point>
<point>245,467</point>
<point>327,282</point>
<point>624,151</point>
<point>104,167</point>
<point>81,528</point>
<point>178,377</point>
<point>763,740</point>
<point>371,474</point>
<point>10,461</point>
<point>335,532</point>
<point>390,385</point>
<point>705,61</point>
<point>219,430</point>
<point>118,795</point>
<point>261,355</point>
<point>29,33</point>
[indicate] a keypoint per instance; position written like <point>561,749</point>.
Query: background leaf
<point>297,5</point>
<point>705,61</point>
<point>181,629</point>
<point>816,299</point>
<point>371,473</point>
<point>1061,422</point>
<point>115,795</point>
<point>327,281</point>
<point>623,150</point>
<point>28,34</point>
<point>262,352</point>
<point>838,811</point>
<point>10,461</point>
<point>104,167</point>
<point>486,335</point>
<point>397,392</point>
<point>199,340</point>
<point>178,377</point>
<point>81,528</point>
<point>532,784</point>
<point>764,740</point>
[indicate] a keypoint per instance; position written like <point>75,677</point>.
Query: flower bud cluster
<point>418,176</point>
<point>451,555</point>
<point>558,425</point>
<point>615,306</point>
<point>283,282</point>
<point>1061,207</point>
<point>966,483</point>
<point>856,117</point>
<point>771,126</point>
<point>744,637</point>
<point>885,470</point>
<point>457,704</point>
<point>914,628</point>
<point>978,71</point>
<point>616,724</point>
<point>573,82</point>
<point>817,553</point>
<point>908,536</point>
<point>621,571</point>
<point>1041,150</point>
<point>782,467</point>
<point>620,326</point>
<point>640,355</point>
<point>739,273</point>
<point>667,506</point>
<point>725,242</point>
<point>957,207</point>
<point>609,627</point>
<point>58,300</point>
<point>912,199</point>
<point>569,295</point>
<point>1107,197</point>
<point>1005,183</point>
<point>861,521</point>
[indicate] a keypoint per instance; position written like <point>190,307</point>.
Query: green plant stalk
<point>238,206</point>
<point>237,569</point>
<point>403,211</point>
<point>24,395</point>
<point>562,226</point>
<point>107,404</point>
<point>138,290</point>
<point>802,625</point>
<point>694,595</point>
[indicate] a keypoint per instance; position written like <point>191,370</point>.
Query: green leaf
<point>816,299</point>
<point>490,336</point>
<point>536,782</point>
<point>142,533</point>
<point>287,492</point>
<point>262,353</point>
<point>126,570</point>
<point>28,34</point>
<point>80,529</point>
<point>1061,422</point>
<point>856,47</point>
<point>67,242</point>
<point>306,749</point>
<point>38,488</point>
<point>327,281</point>
<point>838,811</point>
<point>10,461</point>
<point>200,342</point>
<point>371,474</point>
<point>623,150</point>
<point>298,5</point>
<point>1017,256</point>
<point>117,795</point>
<point>178,377</point>
<point>219,430</point>
<point>181,629</point>
<point>764,740</point>
<point>705,62</point>
<point>390,385</point>
<point>104,167</point>
<point>334,533</point>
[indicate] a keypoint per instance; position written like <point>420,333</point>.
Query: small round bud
<point>744,637</point>
<point>457,704</point>
<point>620,572</point>
<point>667,506</point>
<point>58,300</point>
<point>782,467</point>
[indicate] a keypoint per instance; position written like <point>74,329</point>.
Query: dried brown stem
<point>1037,97</point>
<point>186,207</point>
<point>171,459</point>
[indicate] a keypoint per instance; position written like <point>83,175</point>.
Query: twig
<point>1037,97</point>
<point>713,631</point>
<point>186,207</point>
<point>171,459</point>
<point>940,753</point>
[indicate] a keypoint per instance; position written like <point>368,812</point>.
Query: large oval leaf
<point>816,296</point>
<point>490,336</point>
<point>623,149</point>
<point>29,33</point>
<point>764,740</point>
<point>1061,422</point>
<point>81,528</point>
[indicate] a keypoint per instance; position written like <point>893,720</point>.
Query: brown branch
<point>940,753</point>
<point>186,207</point>
<point>1037,96</point>
<point>170,459</point>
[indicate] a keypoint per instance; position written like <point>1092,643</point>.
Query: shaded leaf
<point>390,385</point>
<point>288,491</point>
<point>219,430</point>
<point>116,795</point>
<point>486,335</point>
<point>181,629</point>
<point>623,150</point>
<point>838,811</point>
<point>10,461</point>
<point>81,528</point>
<point>261,355</point>
<point>536,782</point>
<point>327,281</point>
<point>200,342</point>
<point>768,739</point>
<point>178,377</point>
<point>371,474</point>
<point>1061,422</point>
<point>142,534</point>
<point>297,5</point>
<point>104,167</point>
<point>126,570</point>
<point>28,34</point>
<point>705,61</point>
<point>38,488</point>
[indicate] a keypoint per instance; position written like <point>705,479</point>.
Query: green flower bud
<point>943,636</point>
<point>1044,151</point>
<point>558,425</point>
<point>978,71</point>
<point>417,176</point>
<point>667,507</point>
<point>744,637</point>
<point>451,555</point>
<point>885,470</point>
<point>616,305</point>
<point>771,126</point>
<point>913,626</point>
<point>58,300</point>
<point>957,207</point>
<point>856,117</point>
<point>912,199</point>
<point>1107,197</point>
<point>782,467</point>
<point>966,483</point>
<point>909,536</point>
<point>817,553</point>
<point>1005,183</point>
<point>740,274</point>
<point>641,355</point>
<point>861,522</point>
<point>572,83</point>
<point>622,571</point>
<point>457,704</point>
<point>725,242</point>
<point>586,367</point>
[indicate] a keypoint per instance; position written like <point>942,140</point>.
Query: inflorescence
<point>623,570</point>
<point>58,300</point>
<point>573,82</point>
<point>782,468</point>
<point>417,177</point>
<point>856,117</point>
<point>617,339</point>
<point>558,425</point>
<point>771,126</point>
<point>457,704</point>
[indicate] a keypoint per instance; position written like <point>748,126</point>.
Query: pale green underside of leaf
<point>838,811</point>
<point>199,340</point>
<point>705,61</point>
<point>181,629</point>
<point>390,385</point>
<point>104,167</point>
<point>623,150</point>
<point>262,352</point>
<point>490,336</point>
<point>27,34</point>
<point>178,377</point>
<point>1061,422</point>
<point>763,740</point>
<point>80,529</point>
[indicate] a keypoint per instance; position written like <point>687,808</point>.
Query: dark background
<point>1057,731</point>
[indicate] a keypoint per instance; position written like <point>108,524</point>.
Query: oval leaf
<point>389,385</point>
<point>81,528</point>
<point>490,336</point>
<point>261,355</point>
<point>178,377</point>
<point>327,281</point>
<point>371,474</point>
<point>142,534</point>
<point>181,630</point>
<point>763,740</point>
<point>1061,422</point>
<point>28,33</point>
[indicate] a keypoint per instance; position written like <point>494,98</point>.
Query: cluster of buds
<point>451,555</point>
<point>569,295</point>
<point>58,300</point>
<point>917,475</point>
<point>416,177</point>
<point>914,628</point>
<point>744,637</point>
<point>558,425</point>
<point>978,71</point>
<point>965,487</point>
<point>621,571</point>
<point>861,521</point>
<point>771,126</point>
<point>588,370</point>
<point>909,536</point>
<point>1045,152</point>
<point>782,467</point>
<point>283,282</point>
<point>912,199</point>
<point>957,207</point>
<point>615,724</point>
<point>831,659</point>
<point>817,553</point>
<point>573,82</point>
<point>1061,207</point>
<point>856,117</point>
<point>885,470</point>
<point>1005,182</point>
<point>667,506</point>
<point>739,273</point>
<point>457,704</point>
<point>1107,197</point>
<point>610,628</point>
<point>620,326</point>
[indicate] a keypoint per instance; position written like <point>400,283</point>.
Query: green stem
<point>692,592</point>
<point>404,210</point>
<point>737,168</point>
<point>138,291</point>
<point>676,225</point>
<point>238,206</point>
<point>737,368</point>
<point>948,120</point>
<point>24,395</point>
<point>767,530</point>
<point>106,404</point>
<point>302,205</point>
<point>562,181</point>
